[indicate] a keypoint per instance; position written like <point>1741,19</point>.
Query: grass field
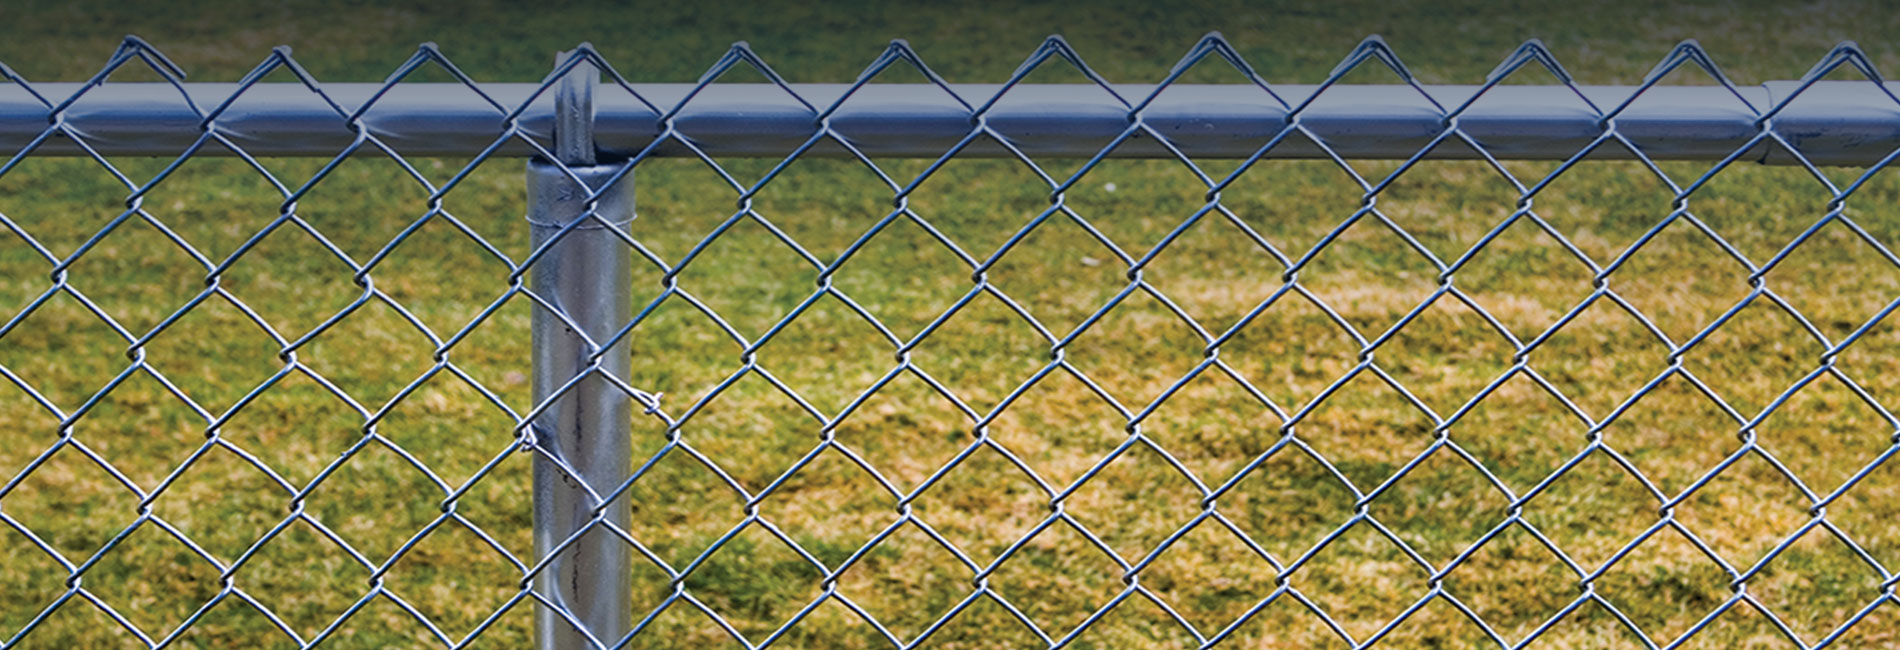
<point>1291,353</point>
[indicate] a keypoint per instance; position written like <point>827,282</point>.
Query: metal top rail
<point>1831,123</point>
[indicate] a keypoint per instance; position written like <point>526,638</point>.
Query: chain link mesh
<point>986,520</point>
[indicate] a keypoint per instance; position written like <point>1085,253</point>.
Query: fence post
<point>586,277</point>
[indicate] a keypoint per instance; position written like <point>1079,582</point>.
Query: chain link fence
<point>1571,372</point>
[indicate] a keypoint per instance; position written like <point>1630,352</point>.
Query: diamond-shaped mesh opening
<point>295,427</point>
<point>1135,203</point>
<point>500,507</point>
<point>680,507</point>
<point>755,582</point>
<point>907,277</point>
<point>37,578</point>
<point>1863,509</point>
<point>364,203</point>
<point>232,622</point>
<point>370,355</point>
<point>1059,272</point>
<point>1136,622</point>
<point>1286,622</point>
<point>137,275</point>
<point>1289,503</point>
<point>991,383</point>
<point>828,354</point>
<point>1441,507</point>
<point>1601,358</point>
<point>1525,278</point>
<point>1138,350</point>
<point>1592,510</point>
<point>1212,426</point>
<point>680,201</point>
<point>1514,583</point>
<point>1836,279</point>
<point>1816,584</point>
<point>979,203</point>
<point>1436,623</point>
<point>1741,624</point>
<point>1681,280</point>
<point>1590,625</point>
<point>89,198</point>
<point>1605,206</point>
<point>1210,577</point>
<point>984,505</point>
<point>152,579</point>
<point>1216,270</point>
<point>698,356</point>
<point>1057,579</point>
<point>1367,429</point>
<point>906,431</point>
<point>1665,585</point>
<point>753,432</point>
<point>1825,433</point>
<point>1293,203</point>
<point>1753,358</point>
<point>1135,502</point>
<point>1520,433</point>
<point>216,204</point>
<point>1360,556</point>
<point>295,283</point>
<point>1446,355</point>
<point>215,354</point>
<point>983,352</point>
<point>823,204</point>
<point>1059,428</point>
<point>254,504</point>
<point>375,501</point>
<point>1292,351</point>
<point>447,426</point>
<point>830,507</point>
<point>1757,210</point>
<point>1371,275</point>
<point>984,624</point>
<point>908,581</point>
<point>71,504</point>
<point>454,579</point>
<point>1674,435</point>
<point>383,622</point>
<point>442,274</point>
<point>490,354</point>
<point>750,277</point>
<point>1742,535</point>
<point>141,430</point>
<point>63,352</point>
<point>78,623</point>
<point>1448,205</point>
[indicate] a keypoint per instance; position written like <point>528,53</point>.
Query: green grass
<point>377,501</point>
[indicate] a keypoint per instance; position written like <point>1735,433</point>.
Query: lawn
<point>1215,428</point>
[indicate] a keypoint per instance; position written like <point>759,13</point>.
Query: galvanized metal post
<point>585,275</point>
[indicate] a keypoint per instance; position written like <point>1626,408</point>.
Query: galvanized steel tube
<point>1833,122</point>
<point>585,276</point>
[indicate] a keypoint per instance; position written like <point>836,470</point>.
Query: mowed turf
<point>1213,426</point>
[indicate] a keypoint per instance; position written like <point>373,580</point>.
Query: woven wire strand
<point>677,420</point>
